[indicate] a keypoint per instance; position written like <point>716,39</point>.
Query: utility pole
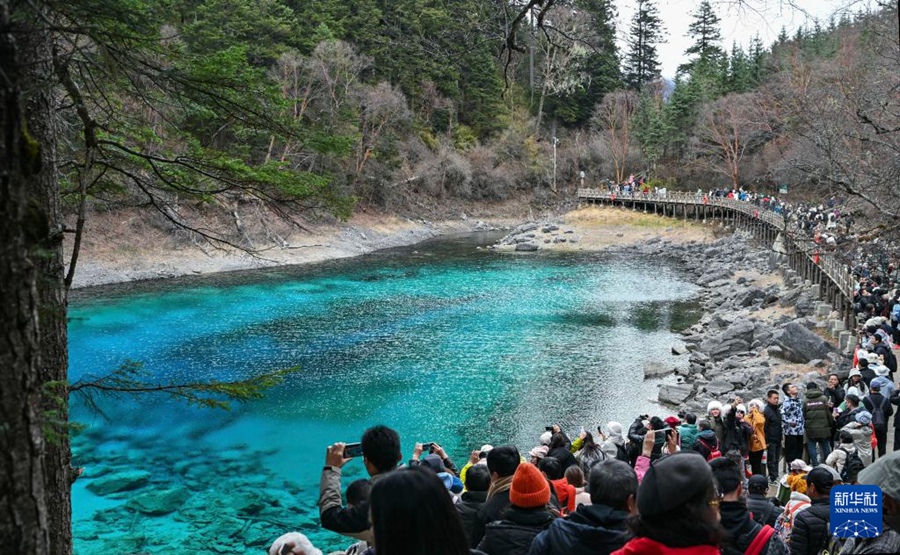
<point>555,142</point>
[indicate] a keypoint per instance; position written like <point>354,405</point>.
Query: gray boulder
<point>675,394</point>
<point>655,370</point>
<point>741,329</point>
<point>750,296</point>
<point>679,349</point>
<point>526,247</point>
<point>713,274</point>
<point>717,388</point>
<point>799,344</point>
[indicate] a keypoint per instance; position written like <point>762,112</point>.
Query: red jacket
<point>565,494</point>
<point>646,546</point>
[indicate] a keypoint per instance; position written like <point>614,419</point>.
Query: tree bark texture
<point>41,109</point>
<point>24,526</point>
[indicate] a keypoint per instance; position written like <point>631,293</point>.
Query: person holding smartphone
<point>380,451</point>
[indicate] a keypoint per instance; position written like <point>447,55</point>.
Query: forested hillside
<point>223,105</point>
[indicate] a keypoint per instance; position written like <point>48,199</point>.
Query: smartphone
<point>427,446</point>
<point>600,430</point>
<point>352,450</point>
<point>548,428</point>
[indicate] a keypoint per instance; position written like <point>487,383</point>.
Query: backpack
<point>895,312</point>
<point>621,453</point>
<point>760,541</point>
<point>784,525</point>
<point>879,422</point>
<point>852,466</point>
<point>713,453</point>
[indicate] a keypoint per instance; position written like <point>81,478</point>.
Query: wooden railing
<point>817,254</point>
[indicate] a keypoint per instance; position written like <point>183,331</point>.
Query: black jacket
<point>847,417</point>
<point>895,400</point>
<point>468,507</point>
<point>876,401</point>
<point>773,423</point>
<point>513,535</point>
<point>741,529</point>
<point>835,396</point>
<point>764,511</point>
<point>590,530</point>
<point>737,434</point>
<point>492,509</point>
<point>810,531</point>
<point>564,456</point>
<point>706,442</point>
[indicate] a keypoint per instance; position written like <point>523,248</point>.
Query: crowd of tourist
<point>686,484</point>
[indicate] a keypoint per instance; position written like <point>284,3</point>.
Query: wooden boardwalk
<point>811,261</point>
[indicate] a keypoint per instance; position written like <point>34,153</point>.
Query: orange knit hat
<point>529,487</point>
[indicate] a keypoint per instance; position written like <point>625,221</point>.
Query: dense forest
<point>411,103</point>
<point>395,104</point>
<point>210,114</point>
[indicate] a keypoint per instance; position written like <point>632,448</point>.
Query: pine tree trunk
<point>41,113</point>
<point>24,526</point>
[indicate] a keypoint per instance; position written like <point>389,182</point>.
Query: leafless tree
<point>727,128</point>
<point>613,118</point>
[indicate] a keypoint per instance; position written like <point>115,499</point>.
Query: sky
<point>740,24</point>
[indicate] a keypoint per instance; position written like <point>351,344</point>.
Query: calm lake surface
<point>441,341</point>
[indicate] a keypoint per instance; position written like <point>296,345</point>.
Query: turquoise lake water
<point>441,341</point>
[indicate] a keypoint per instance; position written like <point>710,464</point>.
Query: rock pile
<point>755,331</point>
<point>530,236</point>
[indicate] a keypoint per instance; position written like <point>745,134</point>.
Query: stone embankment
<point>760,329</point>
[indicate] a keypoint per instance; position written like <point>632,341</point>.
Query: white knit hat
<point>756,403</point>
<point>713,405</point>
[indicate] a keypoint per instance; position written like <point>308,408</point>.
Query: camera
<point>428,446</point>
<point>352,450</point>
<point>548,428</point>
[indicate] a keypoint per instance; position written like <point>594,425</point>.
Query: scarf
<point>500,485</point>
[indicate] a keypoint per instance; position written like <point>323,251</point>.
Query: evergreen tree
<point>782,36</point>
<point>757,59</point>
<point>653,129</point>
<point>642,61</point>
<point>740,71</point>
<point>706,50</point>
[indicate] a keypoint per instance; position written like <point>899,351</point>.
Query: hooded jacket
<point>610,446</point>
<point>862,440</point>
<point>817,415</point>
<point>689,433</point>
<point>591,530</point>
<point>514,534</point>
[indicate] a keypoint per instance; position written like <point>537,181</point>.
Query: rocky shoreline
<point>757,332</point>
